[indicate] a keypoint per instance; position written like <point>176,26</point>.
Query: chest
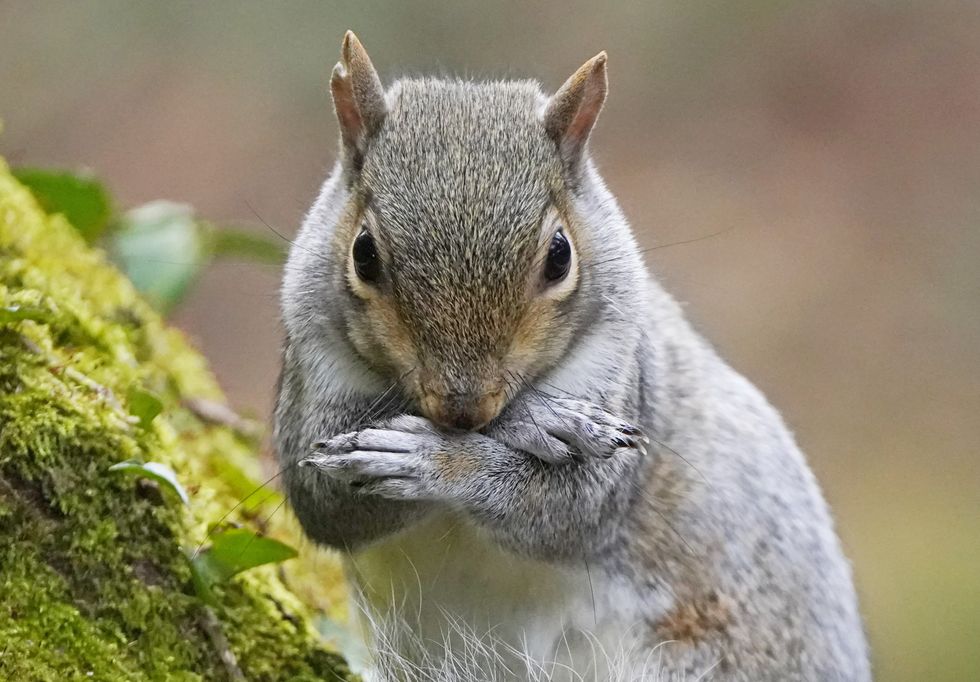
<point>444,586</point>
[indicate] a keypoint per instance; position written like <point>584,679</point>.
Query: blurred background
<point>831,148</point>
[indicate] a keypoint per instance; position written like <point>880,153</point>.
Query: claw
<point>336,445</point>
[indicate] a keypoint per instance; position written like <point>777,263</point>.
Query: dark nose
<point>468,410</point>
<point>460,411</point>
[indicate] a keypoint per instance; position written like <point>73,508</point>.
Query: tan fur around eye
<point>348,229</point>
<point>377,331</point>
<point>540,335</point>
<point>557,291</point>
<point>359,287</point>
<point>380,334</point>
<point>538,339</point>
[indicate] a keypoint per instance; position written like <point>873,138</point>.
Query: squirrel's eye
<point>559,258</point>
<point>367,265</point>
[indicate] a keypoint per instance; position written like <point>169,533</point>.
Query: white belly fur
<point>447,584</point>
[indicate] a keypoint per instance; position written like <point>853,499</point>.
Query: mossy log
<point>95,581</point>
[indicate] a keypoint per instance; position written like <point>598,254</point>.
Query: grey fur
<point>716,529</point>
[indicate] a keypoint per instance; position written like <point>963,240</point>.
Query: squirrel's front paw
<point>559,430</point>
<point>393,460</point>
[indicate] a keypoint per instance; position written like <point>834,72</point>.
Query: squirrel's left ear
<point>358,98</point>
<point>573,110</point>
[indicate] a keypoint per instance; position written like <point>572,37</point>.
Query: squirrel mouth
<point>465,411</point>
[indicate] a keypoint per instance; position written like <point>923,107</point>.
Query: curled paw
<point>391,460</point>
<point>563,429</point>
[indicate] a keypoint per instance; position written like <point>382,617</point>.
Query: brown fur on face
<point>461,314</point>
<point>376,330</point>
<point>541,336</point>
<point>531,337</point>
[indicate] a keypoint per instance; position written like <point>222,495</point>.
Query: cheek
<point>363,338</point>
<point>380,336</point>
<point>539,341</point>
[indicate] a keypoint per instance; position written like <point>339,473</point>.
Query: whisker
<point>568,394</point>
<point>588,572</point>
<point>366,416</point>
<point>652,505</point>
<point>541,399</point>
<point>652,439</point>
<point>657,247</point>
<point>541,433</point>
<point>261,524</point>
<point>682,458</point>
<point>612,304</point>
<point>239,504</point>
<point>282,236</point>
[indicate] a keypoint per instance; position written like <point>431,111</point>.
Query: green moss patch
<point>94,577</point>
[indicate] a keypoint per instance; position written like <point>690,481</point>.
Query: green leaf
<point>202,581</point>
<point>144,405</point>
<point>155,471</point>
<point>79,197</point>
<point>233,551</point>
<point>162,249</point>
<point>234,243</point>
<point>16,313</point>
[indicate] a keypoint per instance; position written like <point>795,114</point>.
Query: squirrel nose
<point>461,411</point>
<point>463,420</point>
<point>465,411</point>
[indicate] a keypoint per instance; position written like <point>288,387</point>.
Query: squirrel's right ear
<point>358,97</point>
<point>573,110</point>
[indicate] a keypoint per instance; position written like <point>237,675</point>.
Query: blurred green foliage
<point>80,198</point>
<point>144,405</point>
<point>161,246</point>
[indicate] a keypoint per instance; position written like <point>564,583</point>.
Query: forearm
<point>330,511</point>
<point>556,512</point>
<point>332,514</point>
<point>568,507</point>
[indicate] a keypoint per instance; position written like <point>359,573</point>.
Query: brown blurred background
<point>835,146</point>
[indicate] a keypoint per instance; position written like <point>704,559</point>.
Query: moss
<point>94,580</point>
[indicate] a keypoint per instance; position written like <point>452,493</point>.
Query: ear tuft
<point>358,97</point>
<point>572,112</point>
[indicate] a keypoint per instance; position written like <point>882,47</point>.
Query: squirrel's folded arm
<point>553,510</point>
<point>333,514</point>
<point>547,479</point>
<point>330,510</point>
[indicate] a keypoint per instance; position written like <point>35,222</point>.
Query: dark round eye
<point>367,265</point>
<point>559,258</point>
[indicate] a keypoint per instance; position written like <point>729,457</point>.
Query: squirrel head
<point>458,247</point>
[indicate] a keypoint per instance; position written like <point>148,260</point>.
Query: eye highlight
<point>367,264</point>
<point>559,259</point>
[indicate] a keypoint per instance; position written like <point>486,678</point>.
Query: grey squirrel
<point>533,466</point>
